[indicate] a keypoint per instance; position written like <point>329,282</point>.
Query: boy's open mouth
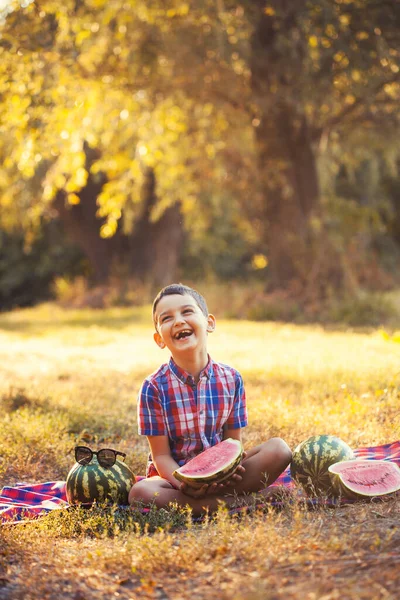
<point>183,334</point>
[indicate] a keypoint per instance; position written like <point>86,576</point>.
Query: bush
<point>365,310</point>
<point>27,272</point>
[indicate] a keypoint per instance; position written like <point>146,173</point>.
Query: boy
<point>193,403</point>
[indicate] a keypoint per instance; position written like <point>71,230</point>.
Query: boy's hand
<point>205,490</point>
<point>235,478</point>
<point>214,488</point>
<point>194,492</point>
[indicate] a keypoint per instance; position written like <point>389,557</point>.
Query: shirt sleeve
<point>150,412</point>
<point>238,417</point>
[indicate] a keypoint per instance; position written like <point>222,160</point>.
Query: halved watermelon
<point>214,465</point>
<point>357,479</point>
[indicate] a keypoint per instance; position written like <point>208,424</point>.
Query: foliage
<point>210,96</point>
<point>96,94</point>
<point>28,270</point>
<point>366,309</point>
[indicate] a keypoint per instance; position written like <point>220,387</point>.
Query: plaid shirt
<point>192,416</point>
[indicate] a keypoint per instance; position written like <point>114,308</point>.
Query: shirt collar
<point>186,377</point>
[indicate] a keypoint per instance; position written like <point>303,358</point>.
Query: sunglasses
<point>106,457</point>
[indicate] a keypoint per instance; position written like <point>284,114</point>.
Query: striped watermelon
<point>312,459</point>
<point>93,483</point>
<point>214,465</point>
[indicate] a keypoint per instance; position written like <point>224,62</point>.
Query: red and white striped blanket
<point>24,501</point>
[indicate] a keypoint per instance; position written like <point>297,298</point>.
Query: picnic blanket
<point>23,502</point>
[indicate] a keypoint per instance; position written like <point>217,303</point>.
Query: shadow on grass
<point>102,520</point>
<point>29,450</point>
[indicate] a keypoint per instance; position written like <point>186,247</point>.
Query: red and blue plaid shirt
<point>192,416</point>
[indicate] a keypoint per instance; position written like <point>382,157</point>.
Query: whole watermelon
<point>93,483</point>
<point>311,460</point>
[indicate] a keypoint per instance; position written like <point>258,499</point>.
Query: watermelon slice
<point>214,465</point>
<point>357,479</point>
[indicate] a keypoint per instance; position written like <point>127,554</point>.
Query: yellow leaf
<point>259,261</point>
<point>313,41</point>
<point>108,229</point>
<point>270,11</point>
<point>384,334</point>
<point>392,89</point>
<point>81,177</point>
<point>81,37</point>
<point>339,56</point>
<point>183,9</point>
<point>73,199</point>
<point>49,192</point>
<point>59,181</point>
<point>345,19</point>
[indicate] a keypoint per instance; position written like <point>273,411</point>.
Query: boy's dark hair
<point>179,288</point>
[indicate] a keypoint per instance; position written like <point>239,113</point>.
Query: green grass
<point>70,376</point>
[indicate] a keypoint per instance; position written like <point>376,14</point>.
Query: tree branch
<point>360,101</point>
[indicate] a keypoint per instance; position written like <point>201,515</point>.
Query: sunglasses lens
<point>106,457</point>
<point>83,455</point>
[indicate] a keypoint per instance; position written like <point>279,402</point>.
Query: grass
<point>70,376</point>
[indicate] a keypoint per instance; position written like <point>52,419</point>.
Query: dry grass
<point>74,375</point>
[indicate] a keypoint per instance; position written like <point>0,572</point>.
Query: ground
<point>71,376</point>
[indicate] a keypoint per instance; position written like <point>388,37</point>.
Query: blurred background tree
<point>237,139</point>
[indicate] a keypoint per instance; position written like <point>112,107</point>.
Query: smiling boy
<point>192,403</point>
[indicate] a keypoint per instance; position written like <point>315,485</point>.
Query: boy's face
<point>181,325</point>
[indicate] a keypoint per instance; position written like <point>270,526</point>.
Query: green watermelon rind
<point>311,460</point>
<point>91,483</point>
<point>346,490</point>
<point>218,476</point>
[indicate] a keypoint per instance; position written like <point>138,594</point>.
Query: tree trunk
<point>287,166</point>
<point>157,246</point>
<point>82,227</point>
<point>151,252</point>
<point>289,185</point>
<point>167,246</point>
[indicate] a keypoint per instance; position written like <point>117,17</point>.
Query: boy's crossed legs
<point>263,465</point>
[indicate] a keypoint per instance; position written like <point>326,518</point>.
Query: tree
<point>82,77</point>
<point>308,75</point>
<point>328,65</point>
<point>246,97</point>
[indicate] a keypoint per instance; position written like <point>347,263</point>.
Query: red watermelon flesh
<point>214,465</point>
<point>365,478</point>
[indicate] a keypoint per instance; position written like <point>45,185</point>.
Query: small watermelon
<point>214,465</point>
<point>361,479</point>
<point>311,460</point>
<point>93,483</point>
